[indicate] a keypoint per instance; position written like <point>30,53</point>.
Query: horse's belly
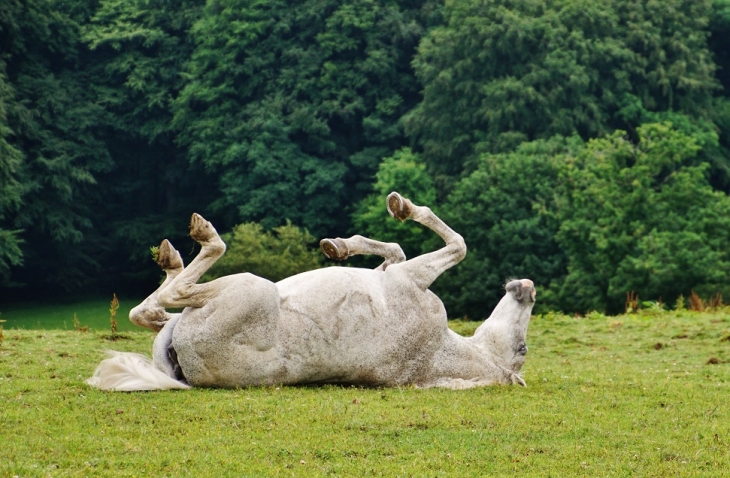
<point>355,326</point>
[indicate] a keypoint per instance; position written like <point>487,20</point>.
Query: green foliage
<point>53,124</point>
<point>273,255</point>
<point>499,210</point>
<point>719,28</point>
<point>503,72</point>
<point>589,222</point>
<point>11,159</point>
<point>120,118</point>
<point>138,50</point>
<point>11,253</point>
<point>403,172</point>
<point>139,47</point>
<point>710,135</point>
<point>293,107</point>
<point>155,253</point>
<point>635,216</point>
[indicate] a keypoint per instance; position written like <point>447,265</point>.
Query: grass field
<point>642,395</point>
<point>93,314</point>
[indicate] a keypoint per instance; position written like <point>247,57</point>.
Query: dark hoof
<point>154,318</point>
<point>335,249</point>
<point>399,207</point>
<point>200,229</point>
<point>168,258</point>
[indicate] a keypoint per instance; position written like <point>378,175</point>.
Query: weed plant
<point>77,325</point>
<point>644,394</point>
<point>113,307</point>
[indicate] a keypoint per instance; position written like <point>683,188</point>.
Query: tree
<point>55,125</point>
<point>719,29</point>
<point>403,172</point>
<point>137,52</point>
<point>11,159</point>
<point>503,72</point>
<point>293,106</point>
<point>637,217</point>
<point>589,222</point>
<point>500,210</point>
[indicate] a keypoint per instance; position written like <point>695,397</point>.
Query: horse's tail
<point>129,372</point>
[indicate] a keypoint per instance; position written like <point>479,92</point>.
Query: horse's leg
<point>424,269</point>
<point>183,290</point>
<point>340,249</point>
<point>150,313</point>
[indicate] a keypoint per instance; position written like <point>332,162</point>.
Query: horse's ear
<point>514,287</point>
<point>517,380</point>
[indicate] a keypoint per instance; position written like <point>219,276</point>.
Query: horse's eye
<point>522,350</point>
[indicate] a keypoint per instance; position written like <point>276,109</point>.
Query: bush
<point>403,172</point>
<point>498,209</point>
<point>589,222</point>
<point>274,255</point>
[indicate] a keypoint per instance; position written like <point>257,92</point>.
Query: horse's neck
<point>461,357</point>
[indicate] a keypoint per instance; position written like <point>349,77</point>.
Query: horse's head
<point>504,333</point>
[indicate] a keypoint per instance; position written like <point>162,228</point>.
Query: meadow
<point>644,394</point>
<point>91,313</point>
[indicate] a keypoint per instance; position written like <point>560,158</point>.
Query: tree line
<point>585,145</point>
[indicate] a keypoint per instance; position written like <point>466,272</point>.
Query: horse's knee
<point>422,214</point>
<point>215,247</point>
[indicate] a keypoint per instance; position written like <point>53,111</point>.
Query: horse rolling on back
<point>379,327</point>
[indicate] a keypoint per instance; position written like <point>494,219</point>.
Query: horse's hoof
<point>335,249</point>
<point>399,207</point>
<point>168,258</point>
<point>153,318</point>
<point>200,229</point>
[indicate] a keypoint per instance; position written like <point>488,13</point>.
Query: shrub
<point>274,255</point>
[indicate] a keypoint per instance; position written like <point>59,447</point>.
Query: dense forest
<point>582,144</point>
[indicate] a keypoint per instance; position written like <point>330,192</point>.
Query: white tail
<point>130,372</point>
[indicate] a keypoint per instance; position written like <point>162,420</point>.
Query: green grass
<point>607,396</point>
<point>93,314</point>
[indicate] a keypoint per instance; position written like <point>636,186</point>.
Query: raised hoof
<point>399,207</point>
<point>154,318</point>
<point>200,229</point>
<point>335,249</point>
<point>168,258</point>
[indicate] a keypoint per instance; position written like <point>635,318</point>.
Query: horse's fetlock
<point>458,246</point>
<point>215,247</point>
<point>399,255</point>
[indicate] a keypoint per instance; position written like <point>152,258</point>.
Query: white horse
<point>380,327</point>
